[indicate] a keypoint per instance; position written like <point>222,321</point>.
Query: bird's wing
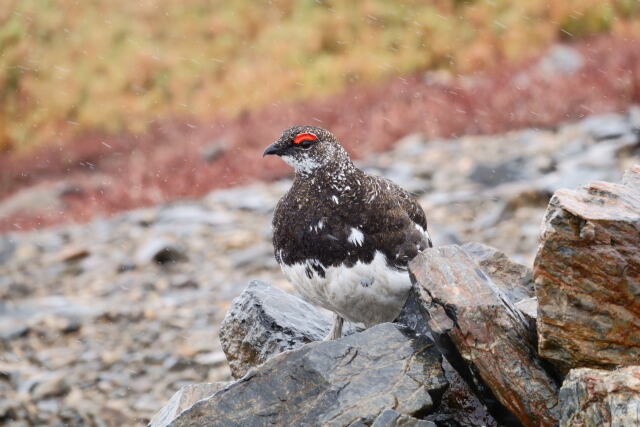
<point>384,218</point>
<point>395,222</point>
<point>408,203</point>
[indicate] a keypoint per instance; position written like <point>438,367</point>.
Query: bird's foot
<point>336,329</point>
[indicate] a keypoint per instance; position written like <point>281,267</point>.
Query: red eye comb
<point>304,137</point>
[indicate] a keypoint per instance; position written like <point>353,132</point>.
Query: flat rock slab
<point>484,337</point>
<point>264,321</point>
<point>332,383</point>
<point>594,398</point>
<point>587,274</point>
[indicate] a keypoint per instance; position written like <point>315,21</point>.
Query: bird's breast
<point>364,292</point>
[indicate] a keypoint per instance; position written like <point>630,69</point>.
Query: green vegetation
<point>117,65</point>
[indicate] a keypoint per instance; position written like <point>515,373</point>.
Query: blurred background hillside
<point>67,68</point>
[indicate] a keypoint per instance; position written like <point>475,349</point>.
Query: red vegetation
<point>113,173</point>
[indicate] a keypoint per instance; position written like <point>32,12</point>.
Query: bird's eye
<point>306,143</point>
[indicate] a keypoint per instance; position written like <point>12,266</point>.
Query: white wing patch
<point>356,237</point>
<point>319,226</point>
<point>335,200</point>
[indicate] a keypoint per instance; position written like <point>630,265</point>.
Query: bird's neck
<point>338,171</point>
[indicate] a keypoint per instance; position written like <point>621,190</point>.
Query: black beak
<point>272,149</point>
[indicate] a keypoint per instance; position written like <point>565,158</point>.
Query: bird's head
<point>307,148</point>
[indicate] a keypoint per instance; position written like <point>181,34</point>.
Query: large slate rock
<point>587,274</point>
<point>487,340</point>
<point>183,399</point>
<point>334,383</point>
<point>594,398</point>
<point>264,321</point>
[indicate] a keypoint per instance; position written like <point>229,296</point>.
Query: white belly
<point>367,293</point>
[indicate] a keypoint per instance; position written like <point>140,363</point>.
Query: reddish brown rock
<point>587,275</point>
<point>594,397</point>
<point>484,337</point>
<point>515,280</point>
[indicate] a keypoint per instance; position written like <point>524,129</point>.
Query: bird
<point>343,237</point>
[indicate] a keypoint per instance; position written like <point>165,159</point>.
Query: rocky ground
<point>101,323</point>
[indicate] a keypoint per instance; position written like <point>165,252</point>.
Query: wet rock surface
<point>341,382</point>
<point>594,397</point>
<point>128,332</point>
<point>587,274</point>
<point>484,337</point>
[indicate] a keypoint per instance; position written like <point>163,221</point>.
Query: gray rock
<point>606,126</point>
<point>7,248</point>
<point>393,418</point>
<point>595,162</point>
<point>192,214</point>
<point>10,329</point>
<point>593,398</point>
<point>334,383</point>
<point>159,251</point>
<point>248,198</point>
<point>485,338</point>
<point>7,409</point>
<point>50,385</point>
<point>515,280</point>
<point>587,275</point>
<point>254,257</point>
<point>183,399</point>
<point>264,321</point>
<point>491,175</point>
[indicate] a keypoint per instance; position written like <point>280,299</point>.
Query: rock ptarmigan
<point>343,237</point>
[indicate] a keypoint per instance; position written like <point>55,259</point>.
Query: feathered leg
<point>336,329</point>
